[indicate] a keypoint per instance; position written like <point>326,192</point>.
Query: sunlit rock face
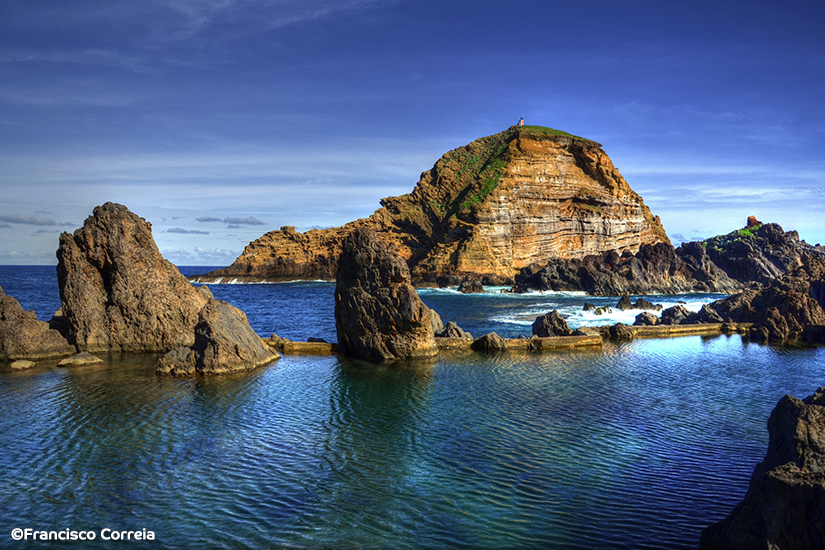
<point>117,291</point>
<point>488,209</point>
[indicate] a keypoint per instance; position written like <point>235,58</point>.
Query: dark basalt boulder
<point>624,303</point>
<point>489,343</point>
<point>378,314</point>
<point>117,291</point>
<point>784,508</point>
<point>22,336</point>
<point>452,330</point>
<point>708,315</point>
<point>620,331</point>
<point>551,324</point>
<point>224,342</point>
<point>678,315</point>
<point>473,286</point>
<point>646,318</point>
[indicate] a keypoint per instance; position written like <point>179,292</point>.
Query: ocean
<point>640,444</point>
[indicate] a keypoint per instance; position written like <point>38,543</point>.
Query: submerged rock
<point>551,324</point>
<point>224,342</point>
<point>378,314</point>
<point>80,359</point>
<point>624,303</point>
<point>22,336</point>
<point>784,508</point>
<point>117,291</point>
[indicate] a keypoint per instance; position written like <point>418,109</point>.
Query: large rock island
<point>485,210</point>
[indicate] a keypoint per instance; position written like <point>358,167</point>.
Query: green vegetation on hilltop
<point>545,131</point>
<point>478,167</point>
<point>720,243</point>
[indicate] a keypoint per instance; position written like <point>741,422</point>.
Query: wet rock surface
<point>378,314</point>
<point>489,343</point>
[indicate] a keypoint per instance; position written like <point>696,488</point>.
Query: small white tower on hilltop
<point>521,122</point>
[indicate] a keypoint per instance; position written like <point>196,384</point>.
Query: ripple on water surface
<point>637,445</point>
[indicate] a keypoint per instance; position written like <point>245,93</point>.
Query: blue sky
<point>219,120</point>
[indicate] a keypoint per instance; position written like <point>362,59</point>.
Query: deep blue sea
<point>635,445</point>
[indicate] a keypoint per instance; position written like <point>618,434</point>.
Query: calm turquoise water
<point>639,445</point>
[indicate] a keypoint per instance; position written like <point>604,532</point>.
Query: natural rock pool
<point>635,445</point>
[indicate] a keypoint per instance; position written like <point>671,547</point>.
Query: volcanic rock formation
<point>22,336</point>
<point>378,314</point>
<point>224,342</point>
<point>484,211</point>
<point>790,307</point>
<point>551,324</point>
<point>654,268</point>
<point>746,258</point>
<point>784,508</point>
<point>118,292</point>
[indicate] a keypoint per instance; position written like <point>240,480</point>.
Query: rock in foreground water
<point>378,314</point>
<point>22,336</point>
<point>784,508</point>
<point>118,292</point>
<point>551,324</point>
<point>224,342</point>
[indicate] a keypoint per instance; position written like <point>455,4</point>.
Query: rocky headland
<point>784,508</point>
<point>484,211</point>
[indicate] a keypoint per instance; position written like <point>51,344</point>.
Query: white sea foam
<point>576,316</point>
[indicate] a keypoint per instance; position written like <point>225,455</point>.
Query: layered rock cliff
<point>485,210</point>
